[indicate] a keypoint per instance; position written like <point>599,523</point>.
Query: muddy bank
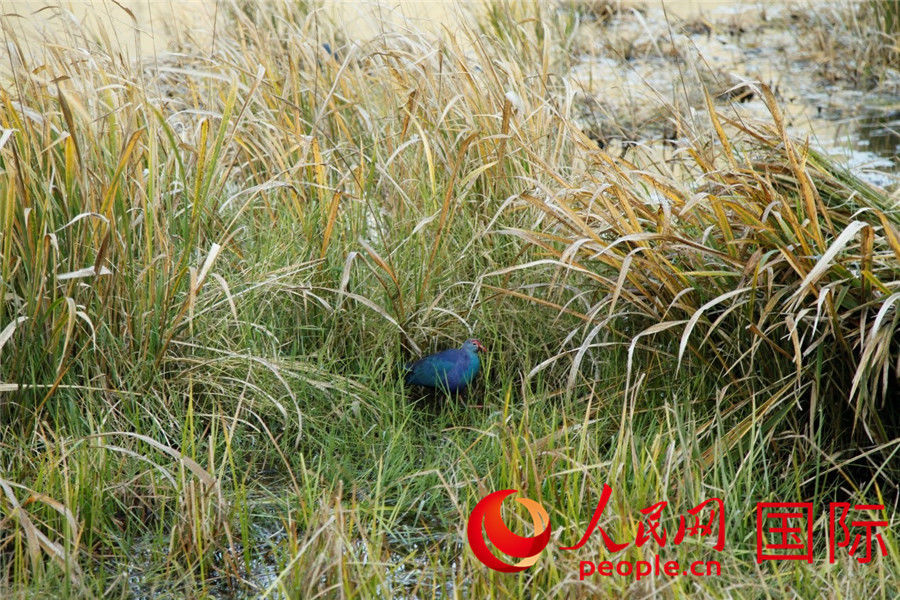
<point>640,68</point>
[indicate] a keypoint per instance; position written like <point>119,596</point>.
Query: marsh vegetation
<point>215,261</point>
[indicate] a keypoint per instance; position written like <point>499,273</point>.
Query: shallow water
<point>407,571</point>
<point>639,68</point>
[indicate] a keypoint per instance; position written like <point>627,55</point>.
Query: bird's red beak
<point>480,346</point>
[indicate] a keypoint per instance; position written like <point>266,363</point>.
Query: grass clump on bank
<point>212,267</point>
<point>860,41</point>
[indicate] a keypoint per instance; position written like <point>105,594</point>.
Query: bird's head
<point>474,345</point>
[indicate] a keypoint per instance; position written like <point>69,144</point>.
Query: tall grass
<point>774,268</point>
<point>213,264</point>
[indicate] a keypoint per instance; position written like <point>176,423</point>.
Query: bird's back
<point>451,370</point>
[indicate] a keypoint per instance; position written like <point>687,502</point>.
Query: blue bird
<point>332,53</point>
<point>449,371</point>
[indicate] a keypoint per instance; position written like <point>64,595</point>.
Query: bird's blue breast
<point>471,370</point>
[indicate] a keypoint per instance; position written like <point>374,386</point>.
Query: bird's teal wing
<point>433,371</point>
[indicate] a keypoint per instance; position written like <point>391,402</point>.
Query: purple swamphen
<point>449,371</point>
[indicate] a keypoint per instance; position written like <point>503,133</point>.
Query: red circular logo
<point>487,514</point>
